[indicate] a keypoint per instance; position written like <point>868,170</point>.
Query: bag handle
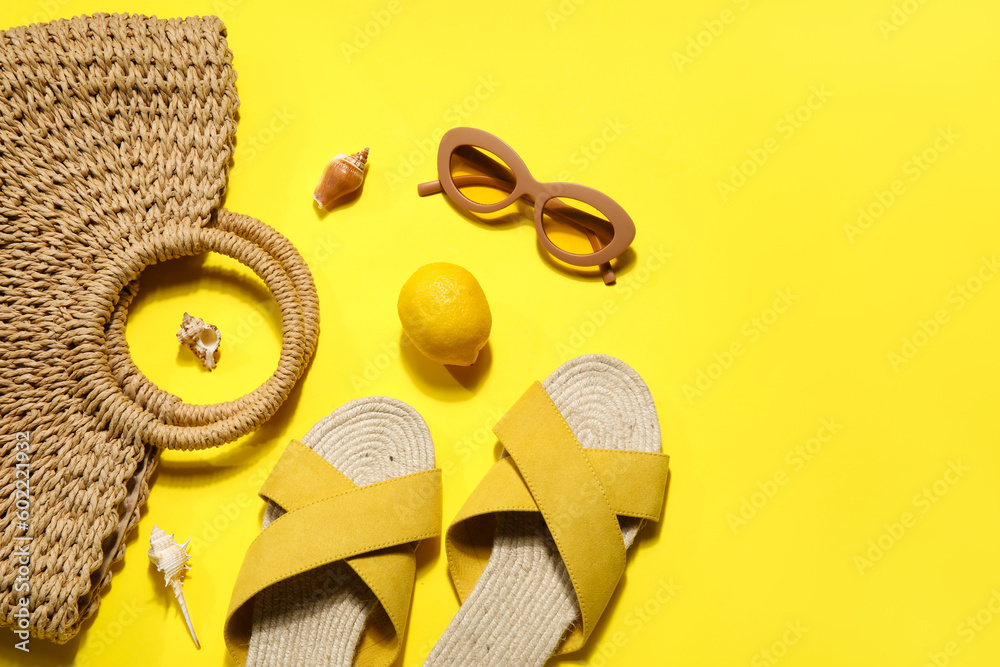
<point>123,398</point>
<point>167,407</point>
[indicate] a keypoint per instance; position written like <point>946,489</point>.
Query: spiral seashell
<point>171,559</point>
<point>343,175</point>
<point>201,338</point>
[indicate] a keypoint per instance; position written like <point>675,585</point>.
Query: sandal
<point>537,550</point>
<point>329,579</point>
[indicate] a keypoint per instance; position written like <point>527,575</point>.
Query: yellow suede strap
<point>578,491</point>
<point>329,519</point>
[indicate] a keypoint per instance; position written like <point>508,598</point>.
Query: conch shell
<point>201,337</point>
<point>343,175</point>
<point>171,559</point>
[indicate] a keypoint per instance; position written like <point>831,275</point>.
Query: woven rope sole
<point>317,617</point>
<point>524,603</point>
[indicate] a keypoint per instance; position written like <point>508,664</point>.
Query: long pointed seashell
<point>171,559</point>
<point>179,594</point>
<point>343,175</point>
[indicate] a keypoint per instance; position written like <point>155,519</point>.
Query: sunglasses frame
<point>538,193</point>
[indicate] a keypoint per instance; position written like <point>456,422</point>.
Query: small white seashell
<point>201,337</point>
<point>171,559</point>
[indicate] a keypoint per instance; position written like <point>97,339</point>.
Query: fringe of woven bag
<point>129,521</point>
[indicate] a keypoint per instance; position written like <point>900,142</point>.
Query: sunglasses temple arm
<point>590,224</point>
<point>607,274</point>
<point>434,187</point>
<point>489,166</point>
<point>483,161</point>
<point>429,188</point>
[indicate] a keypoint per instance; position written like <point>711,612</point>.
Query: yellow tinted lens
<point>481,176</point>
<point>575,226</point>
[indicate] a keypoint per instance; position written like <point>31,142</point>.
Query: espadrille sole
<point>524,602</point>
<point>318,617</point>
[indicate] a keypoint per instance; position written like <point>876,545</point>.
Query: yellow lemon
<point>444,312</point>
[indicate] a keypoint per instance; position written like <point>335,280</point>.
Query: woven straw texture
<point>116,132</point>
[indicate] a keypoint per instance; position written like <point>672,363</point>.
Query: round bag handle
<point>133,405</point>
<point>167,407</point>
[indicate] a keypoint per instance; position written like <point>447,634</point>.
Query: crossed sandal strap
<point>372,528</point>
<point>579,493</point>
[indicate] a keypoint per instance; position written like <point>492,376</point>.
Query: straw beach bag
<point>116,133</point>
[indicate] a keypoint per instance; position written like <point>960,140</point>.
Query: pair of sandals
<point>535,553</point>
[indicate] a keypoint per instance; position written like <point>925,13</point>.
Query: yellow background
<point>594,92</point>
